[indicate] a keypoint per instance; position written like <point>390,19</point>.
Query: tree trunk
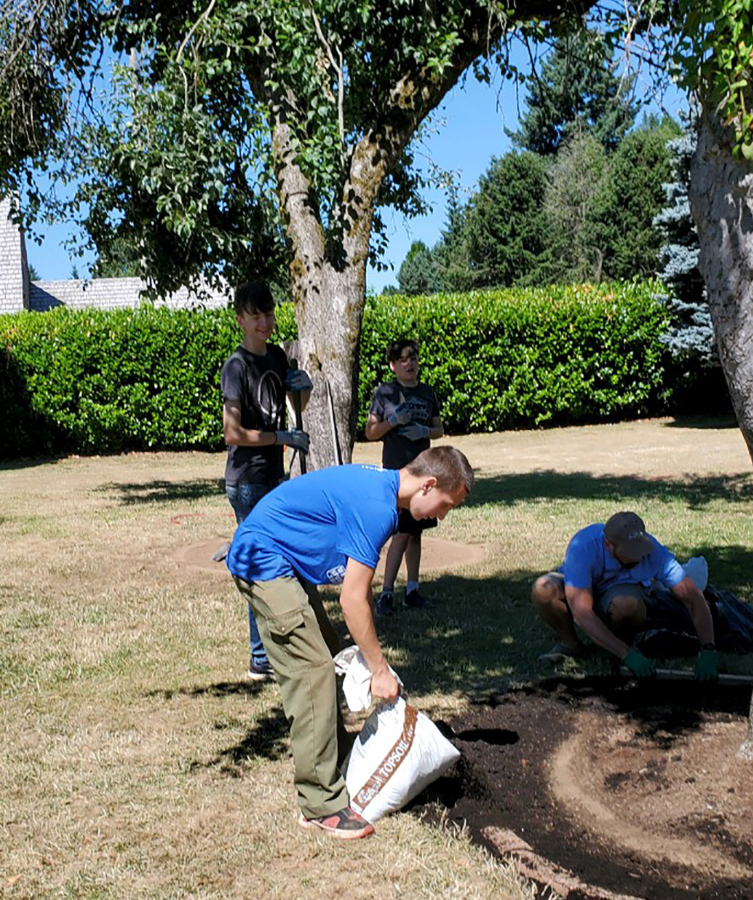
<point>329,328</point>
<point>746,748</point>
<point>721,197</point>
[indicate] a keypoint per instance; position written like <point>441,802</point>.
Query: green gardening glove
<point>707,666</point>
<point>639,664</point>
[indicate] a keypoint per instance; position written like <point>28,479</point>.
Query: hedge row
<point>95,381</point>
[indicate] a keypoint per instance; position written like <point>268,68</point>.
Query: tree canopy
<point>576,87</point>
<point>279,130</point>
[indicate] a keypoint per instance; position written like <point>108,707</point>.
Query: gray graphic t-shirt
<point>397,450</point>
<point>258,384</point>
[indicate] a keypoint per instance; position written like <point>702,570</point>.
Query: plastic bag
<point>399,751</point>
<point>350,662</point>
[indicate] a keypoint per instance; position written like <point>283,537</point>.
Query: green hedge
<point>95,381</point>
<point>102,381</point>
<point>519,358</point>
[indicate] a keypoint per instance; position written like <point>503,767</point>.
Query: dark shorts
<point>603,601</point>
<point>406,524</point>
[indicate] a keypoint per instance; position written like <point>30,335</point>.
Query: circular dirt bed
<point>437,555</point>
<point>635,788</point>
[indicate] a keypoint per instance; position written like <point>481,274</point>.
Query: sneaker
<point>385,605</point>
<point>345,824</point>
<point>415,600</point>
<point>260,672</point>
<point>561,652</point>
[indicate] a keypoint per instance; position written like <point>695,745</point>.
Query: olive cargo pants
<point>300,643</point>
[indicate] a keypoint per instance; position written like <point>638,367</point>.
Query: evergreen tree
<point>576,84</point>
<point>574,181</point>
<point>416,275</point>
<point>631,195</point>
<point>692,336</point>
<point>505,230</point>
<point>450,253</point>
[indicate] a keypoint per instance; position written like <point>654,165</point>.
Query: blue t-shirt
<point>315,523</point>
<point>589,564</point>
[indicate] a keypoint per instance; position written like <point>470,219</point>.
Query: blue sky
<point>467,131</point>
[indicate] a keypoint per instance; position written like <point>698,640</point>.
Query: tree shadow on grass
<point>546,484</point>
<point>703,422</point>
<point>131,493</point>
<point>10,465</point>
<point>266,739</point>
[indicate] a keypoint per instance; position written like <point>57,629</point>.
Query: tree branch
<point>203,17</point>
<point>338,69</point>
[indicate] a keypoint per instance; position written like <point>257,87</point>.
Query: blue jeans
<point>243,497</point>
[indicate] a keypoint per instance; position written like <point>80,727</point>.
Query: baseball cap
<point>628,534</point>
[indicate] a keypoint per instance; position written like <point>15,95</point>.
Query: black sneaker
<point>260,672</point>
<point>414,600</point>
<point>385,605</point>
<point>345,824</point>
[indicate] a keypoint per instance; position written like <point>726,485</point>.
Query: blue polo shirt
<point>315,523</point>
<point>589,564</point>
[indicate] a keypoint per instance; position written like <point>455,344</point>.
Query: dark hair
<point>447,464</point>
<point>253,297</point>
<point>395,349</point>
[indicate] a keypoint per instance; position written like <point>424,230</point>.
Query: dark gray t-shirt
<point>398,451</point>
<point>258,384</point>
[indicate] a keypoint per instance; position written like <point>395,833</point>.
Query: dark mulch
<point>679,737</point>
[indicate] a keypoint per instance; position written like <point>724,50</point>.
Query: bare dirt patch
<point>437,555</point>
<point>635,788</point>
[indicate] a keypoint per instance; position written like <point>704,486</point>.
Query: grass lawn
<point>138,763</point>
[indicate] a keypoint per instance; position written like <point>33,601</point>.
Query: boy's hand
<point>298,380</point>
<point>384,685</point>
<point>298,440</point>
<point>415,432</point>
<point>401,416</point>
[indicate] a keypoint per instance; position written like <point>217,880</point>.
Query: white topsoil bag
<point>398,753</point>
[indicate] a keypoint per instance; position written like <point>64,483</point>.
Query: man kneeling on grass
<point>328,527</point>
<point>601,587</point>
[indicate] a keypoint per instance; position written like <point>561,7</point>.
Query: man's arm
<point>355,599</point>
<point>689,595</point>
<point>581,603</point>
<point>236,435</point>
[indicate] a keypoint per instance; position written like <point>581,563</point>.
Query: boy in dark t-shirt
<point>404,415</point>
<point>255,380</point>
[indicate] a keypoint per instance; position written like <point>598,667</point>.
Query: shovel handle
<point>293,364</point>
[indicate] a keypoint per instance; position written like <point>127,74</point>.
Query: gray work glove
<point>298,380</point>
<point>415,432</point>
<point>401,416</point>
<point>295,439</point>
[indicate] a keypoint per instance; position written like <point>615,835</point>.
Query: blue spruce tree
<point>691,338</point>
<point>697,377</point>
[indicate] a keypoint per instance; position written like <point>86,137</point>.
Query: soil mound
<point>632,787</point>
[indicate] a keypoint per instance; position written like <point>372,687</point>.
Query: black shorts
<point>406,524</point>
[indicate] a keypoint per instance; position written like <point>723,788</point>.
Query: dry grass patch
<point>138,763</point>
